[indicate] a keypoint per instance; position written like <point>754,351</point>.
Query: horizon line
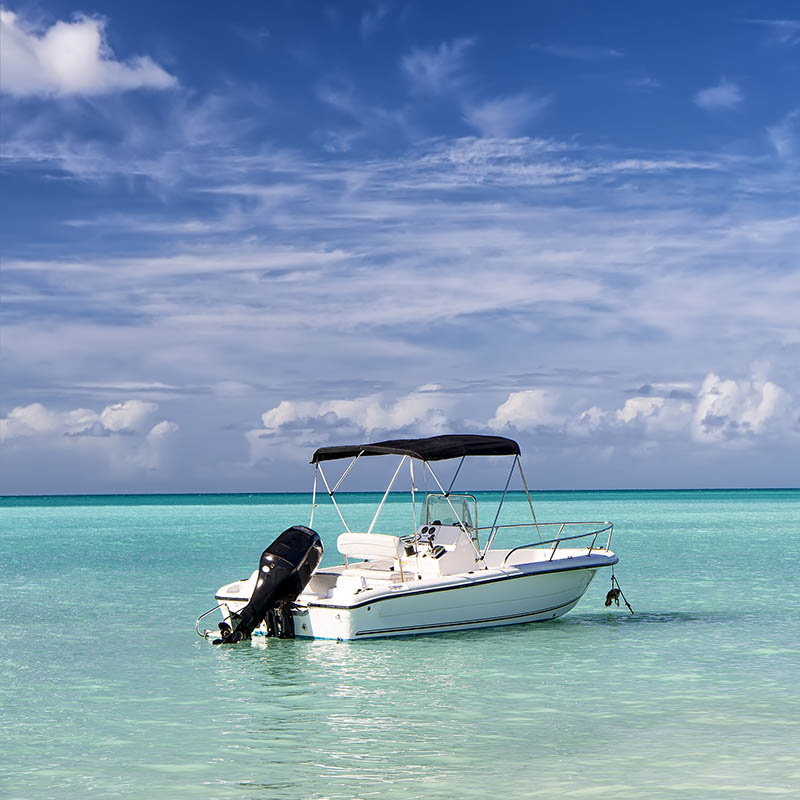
<point>398,492</point>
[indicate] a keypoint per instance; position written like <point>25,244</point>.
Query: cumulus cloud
<point>503,117</point>
<point>127,416</point>
<point>639,408</point>
<point>737,410</point>
<point>530,408</point>
<point>154,451</point>
<point>437,71</point>
<point>69,58</point>
<point>422,412</point>
<point>37,420</point>
<point>162,429</point>
<point>722,97</point>
<point>723,410</point>
<point>121,433</point>
<point>649,414</point>
<point>369,413</point>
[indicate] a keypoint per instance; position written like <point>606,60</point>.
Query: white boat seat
<point>370,545</point>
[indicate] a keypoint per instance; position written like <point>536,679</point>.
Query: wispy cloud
<point>69,58</point>
<point>166,142</point>
<point>578,51</point>
<point>310,241</point>
<point>440,70</point>
<point>372,18</point>
<point>785,136</point>
<point>782,31</point>
<point>257,37</point>
<point>505,117</point>
<point>722,97</point>
<point>645,83</point>
<point>371,121</point>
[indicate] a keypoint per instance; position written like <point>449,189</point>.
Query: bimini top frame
<point>434,448</point>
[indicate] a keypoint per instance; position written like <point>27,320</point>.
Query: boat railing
<point>598,528</point>
<point>202,616</point>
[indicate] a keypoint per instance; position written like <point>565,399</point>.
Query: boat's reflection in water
<point>329,719</point>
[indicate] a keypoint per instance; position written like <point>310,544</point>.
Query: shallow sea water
<point>108,692</point>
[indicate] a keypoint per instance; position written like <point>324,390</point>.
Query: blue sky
<point>232,235</point>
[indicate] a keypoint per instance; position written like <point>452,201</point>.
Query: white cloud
<point>370,413</point>
<point>580,52</point>
<point>784,136</point>
<point>503,117</point>
<point>529,408</point>
<point>372,18</point>
<point>650,415</point>
<point>639,408</point>
<point>35,420</point>
<point>126,416</point>
<point>69,58</point>
<point>737,410</point>
<point>725,410</point>
<point>118,438</point>
<point>154,450</point>
<point>437,71</point>
<point>782,31</point>
<point>423,412</point>
<point>288,411</point>
<point>592,419</point>
<point>724,96</point>
<point>645,83</point>
<point>162,429</point>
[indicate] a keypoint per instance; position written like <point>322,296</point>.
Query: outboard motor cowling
<point>284,570</point>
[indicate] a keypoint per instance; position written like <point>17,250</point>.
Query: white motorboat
<point>442,573</point>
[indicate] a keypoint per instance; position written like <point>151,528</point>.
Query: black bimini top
<point>434,448</point>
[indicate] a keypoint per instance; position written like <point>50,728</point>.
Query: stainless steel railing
<point>197,621</point>
<point>606,527</point>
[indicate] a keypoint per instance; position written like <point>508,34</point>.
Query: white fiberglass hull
<point>482,599</point>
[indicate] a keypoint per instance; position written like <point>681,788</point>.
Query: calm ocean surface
<point>107,691</point>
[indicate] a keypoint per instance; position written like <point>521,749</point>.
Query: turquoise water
<point>108,692</point>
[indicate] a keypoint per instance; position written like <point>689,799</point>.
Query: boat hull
<point>482,600</point>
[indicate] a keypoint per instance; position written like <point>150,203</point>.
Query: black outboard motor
<point>283,572</point>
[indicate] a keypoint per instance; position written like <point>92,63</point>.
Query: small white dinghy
<point>442,574</point>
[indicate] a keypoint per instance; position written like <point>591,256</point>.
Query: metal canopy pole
<point>333,499</point>
<point>349,467</point>
<point>458,469</point>
<point>528,495</point>
<point>386,493</point>
<point>313,496</point>
<point>493,532</point>
<point>413,496</point>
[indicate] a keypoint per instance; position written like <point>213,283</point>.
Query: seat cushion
<point>370,545</point>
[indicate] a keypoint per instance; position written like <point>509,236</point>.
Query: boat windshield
<point>439,507</point>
